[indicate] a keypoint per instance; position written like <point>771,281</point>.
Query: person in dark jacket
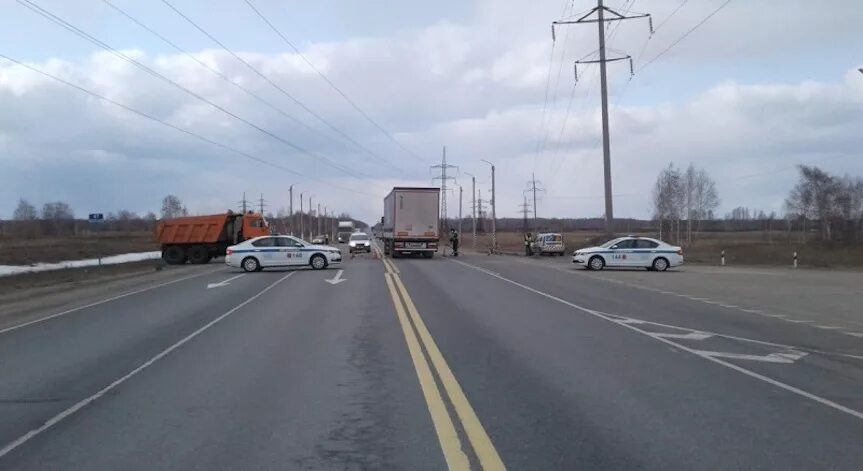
<point>528,244</point>
<point>453,240</point>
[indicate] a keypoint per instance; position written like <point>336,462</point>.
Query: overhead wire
<point>547,84</point>
<point>83,34</point>
<point>330,82</point>
<point>215,71</point>
<point>272,83</point>
<point>187,132</point>
<point>684,36</point>
<point>554,95</point>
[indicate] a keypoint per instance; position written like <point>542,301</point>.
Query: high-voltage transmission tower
<point>444,178</point>
<point>598,15</point>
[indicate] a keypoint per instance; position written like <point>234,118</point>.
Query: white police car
<point>280,251</point>
<point>630,251</point>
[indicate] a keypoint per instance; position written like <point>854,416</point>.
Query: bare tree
<point>24,211</point>
<point>667,198</point>
<point>815,197</point>
<point>57,211</point>
<point>172,207</point>
<point>705,197</point>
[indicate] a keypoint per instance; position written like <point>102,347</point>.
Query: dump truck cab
<point>254,225</point>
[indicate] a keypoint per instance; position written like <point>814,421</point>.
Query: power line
<point>681,38</point>
<point>674,12</point>
<point>556,87</point>
<point>272,83</point>
<point>83,34</point>
<point>172,126</point>
<point>213,70</point>
<point>331,84</point>
<point>547,84</point>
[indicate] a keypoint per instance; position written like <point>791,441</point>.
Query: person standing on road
<point>453,240</point>
<point>528,244</point>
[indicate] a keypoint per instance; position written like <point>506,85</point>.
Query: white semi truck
<point>411,222</point>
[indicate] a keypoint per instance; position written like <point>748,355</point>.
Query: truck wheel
<point>428,254</point>
<point>318,262</point>
<point>174,255</point>
<point>251,264</point>
<point>198,255</point>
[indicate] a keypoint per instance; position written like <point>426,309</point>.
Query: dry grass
<point>741,248</point>
<point>25,251</point>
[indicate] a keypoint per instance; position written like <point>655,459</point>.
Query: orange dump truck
<point>198,239</point>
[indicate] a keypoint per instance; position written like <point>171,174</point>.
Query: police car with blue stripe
<point>630,251</point>
<point>280,251</point>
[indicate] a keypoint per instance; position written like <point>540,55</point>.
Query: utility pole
<point>532,187</point>
<point>318,214</point>
<point>481,209</point>
<point>326,221</point>
<point>302,229</point>
<point>473,205</point>
<point>244,203</point>
<point>291,207</point>
<point>310,217</point>
<point>493,212</point>
<point>261,203</point>
<point>524,210</point>
<point>460,191</point>
<point>600,20</point>
<point>443,166</point>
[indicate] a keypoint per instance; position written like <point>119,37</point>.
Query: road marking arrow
<point>224,283</point>
<point>337,279</point>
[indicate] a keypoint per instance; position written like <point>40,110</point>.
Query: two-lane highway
<point>476,362</point>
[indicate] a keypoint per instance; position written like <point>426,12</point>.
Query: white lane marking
<point>828,327</point>
<point>687,336</point>
<point>337,279</point>
<point>86,401</point>
<point>728,306</point>
<point>783,357</point>
<point>855,334</point>
<point>718,361</point>
<point>799,321</point>
<point>224,283</point>
<point>103,301</point>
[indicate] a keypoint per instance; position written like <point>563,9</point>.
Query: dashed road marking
<point>780,358</point>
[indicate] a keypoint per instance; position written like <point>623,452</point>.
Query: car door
<point>266,251</point>
<point>291,252</point>
<point>622,254</point>
<point>645,251</point>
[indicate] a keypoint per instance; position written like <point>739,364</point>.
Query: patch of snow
<point>6,270</point>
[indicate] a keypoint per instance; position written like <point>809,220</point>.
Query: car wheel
<point>251,264</point>
<point>660,264</point>
<point>318,262</point>
<point>596,263</point>
<point>174,255</point>
<point>198,255</point>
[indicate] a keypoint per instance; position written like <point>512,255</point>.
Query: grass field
<point>26,251</point>
<point>741,248</point>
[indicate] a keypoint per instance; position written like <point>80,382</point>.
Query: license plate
<point>415,245</point>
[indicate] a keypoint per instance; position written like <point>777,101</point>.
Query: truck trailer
<point>198,239</point>
<point>411,221</point>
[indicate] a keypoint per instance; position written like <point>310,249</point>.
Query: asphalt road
<point>477,362</point>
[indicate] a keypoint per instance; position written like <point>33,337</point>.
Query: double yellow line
<point>423,348</point>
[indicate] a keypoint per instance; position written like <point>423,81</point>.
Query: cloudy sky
<point>758,88</point>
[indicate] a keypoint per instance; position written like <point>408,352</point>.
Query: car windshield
<point>611,242</point>
<point>359,237</point>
